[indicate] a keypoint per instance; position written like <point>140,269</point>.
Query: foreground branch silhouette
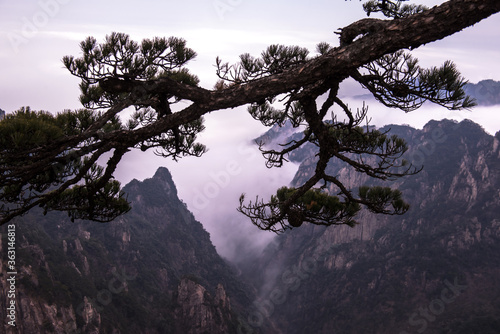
<point>50,161</point>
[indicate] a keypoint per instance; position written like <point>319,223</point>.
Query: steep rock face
<point>124,276</point>
<point>199,312</point>
<point>433,270</point>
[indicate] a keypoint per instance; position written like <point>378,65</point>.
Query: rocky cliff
<point>435,269</point>
<point>153,270</point>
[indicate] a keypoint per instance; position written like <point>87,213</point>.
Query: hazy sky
<point>35,35</point>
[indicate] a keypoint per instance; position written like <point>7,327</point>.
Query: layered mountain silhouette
<point>435,269</point>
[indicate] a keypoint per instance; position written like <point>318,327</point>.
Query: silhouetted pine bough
<point>50,161</point>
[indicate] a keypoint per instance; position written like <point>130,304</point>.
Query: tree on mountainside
<point>50,161</point>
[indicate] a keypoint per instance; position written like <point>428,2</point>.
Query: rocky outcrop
<point>126,276</point>
<point>198,312</point>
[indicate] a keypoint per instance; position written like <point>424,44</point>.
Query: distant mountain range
<point>435,269</point>
<point>485,92</point>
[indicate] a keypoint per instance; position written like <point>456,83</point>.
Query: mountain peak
<point>163,174</point>
<point>157,191</point>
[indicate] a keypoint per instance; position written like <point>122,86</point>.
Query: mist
<point>212,184</point>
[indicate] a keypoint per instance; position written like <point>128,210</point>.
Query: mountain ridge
<point>388,274</point>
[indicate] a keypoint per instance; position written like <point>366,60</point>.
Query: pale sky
<point>35,35</point>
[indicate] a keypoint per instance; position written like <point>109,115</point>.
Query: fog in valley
<point>212,184</point>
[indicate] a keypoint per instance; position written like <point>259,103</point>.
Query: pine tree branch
<point>392,35</point>
<point>144,82</point>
